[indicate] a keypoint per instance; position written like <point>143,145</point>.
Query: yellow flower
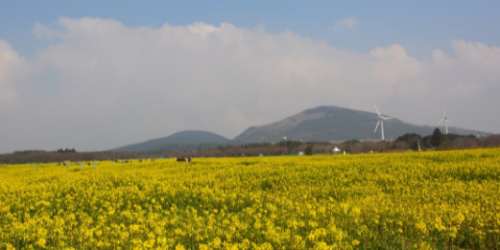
<point>322,202</point>
<point>179,246</point>
<point>41,242</point>
<point>459,218</point>
<point>438,224</point>
<point>216,242</point>
<point>356,211</point>
<point>10,247</point>
<point>355,242</point>
<point>321,246</point>
<point>421,227</point>
<point>453,232</point>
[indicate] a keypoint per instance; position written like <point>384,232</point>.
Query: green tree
<point>309,150</point>
<point>437,138</point>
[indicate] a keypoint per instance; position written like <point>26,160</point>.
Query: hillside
<point>320,124</point>
<point>331,123</point>
<point>180,141</point>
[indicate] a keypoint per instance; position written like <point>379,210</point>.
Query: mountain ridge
<point>318,124</point>
<point>183,140</point>
<point>333,123</point>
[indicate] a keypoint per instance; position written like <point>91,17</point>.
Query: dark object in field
<point>186,159</point>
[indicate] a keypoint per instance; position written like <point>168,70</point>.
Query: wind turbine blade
<point>376,127</point>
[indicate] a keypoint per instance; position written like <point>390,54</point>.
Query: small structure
<point>336,150</point>
<point>301,153</point>
<point>186,159</point>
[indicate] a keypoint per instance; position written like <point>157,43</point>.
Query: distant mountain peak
<point>182,140</point>
<point>322,123</point>
<point>322,109</point>
<point>330,123</point>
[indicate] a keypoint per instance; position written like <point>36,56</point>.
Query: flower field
<point>430,200</point>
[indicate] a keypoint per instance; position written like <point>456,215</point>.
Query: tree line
<point>436,141</point>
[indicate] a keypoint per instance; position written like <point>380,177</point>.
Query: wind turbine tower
<point>380,123</point>
<point>444,123</point>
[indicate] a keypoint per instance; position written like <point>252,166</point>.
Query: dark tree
<point>413,141</point>
<point>309,150</point>
<point>436,138</point>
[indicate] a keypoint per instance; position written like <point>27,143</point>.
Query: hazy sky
<point>95,75</point>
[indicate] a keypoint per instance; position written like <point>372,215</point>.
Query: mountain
<point>180,141</point>
<point>320,124</point>
<point>331,123</point>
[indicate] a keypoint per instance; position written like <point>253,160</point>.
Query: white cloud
<point>348,23</point>
<point>102,84</point>
<point>9,64</point>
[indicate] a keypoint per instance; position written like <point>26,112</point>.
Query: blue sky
<point>114,72</point>
<point>418,25</point>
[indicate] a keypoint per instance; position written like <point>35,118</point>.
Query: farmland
<point>428,200</point>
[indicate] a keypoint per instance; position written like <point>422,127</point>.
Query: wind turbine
<point>380,123</point>
<point>444,123</point>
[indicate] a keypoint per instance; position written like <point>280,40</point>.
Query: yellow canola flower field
<point>430,200</point>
